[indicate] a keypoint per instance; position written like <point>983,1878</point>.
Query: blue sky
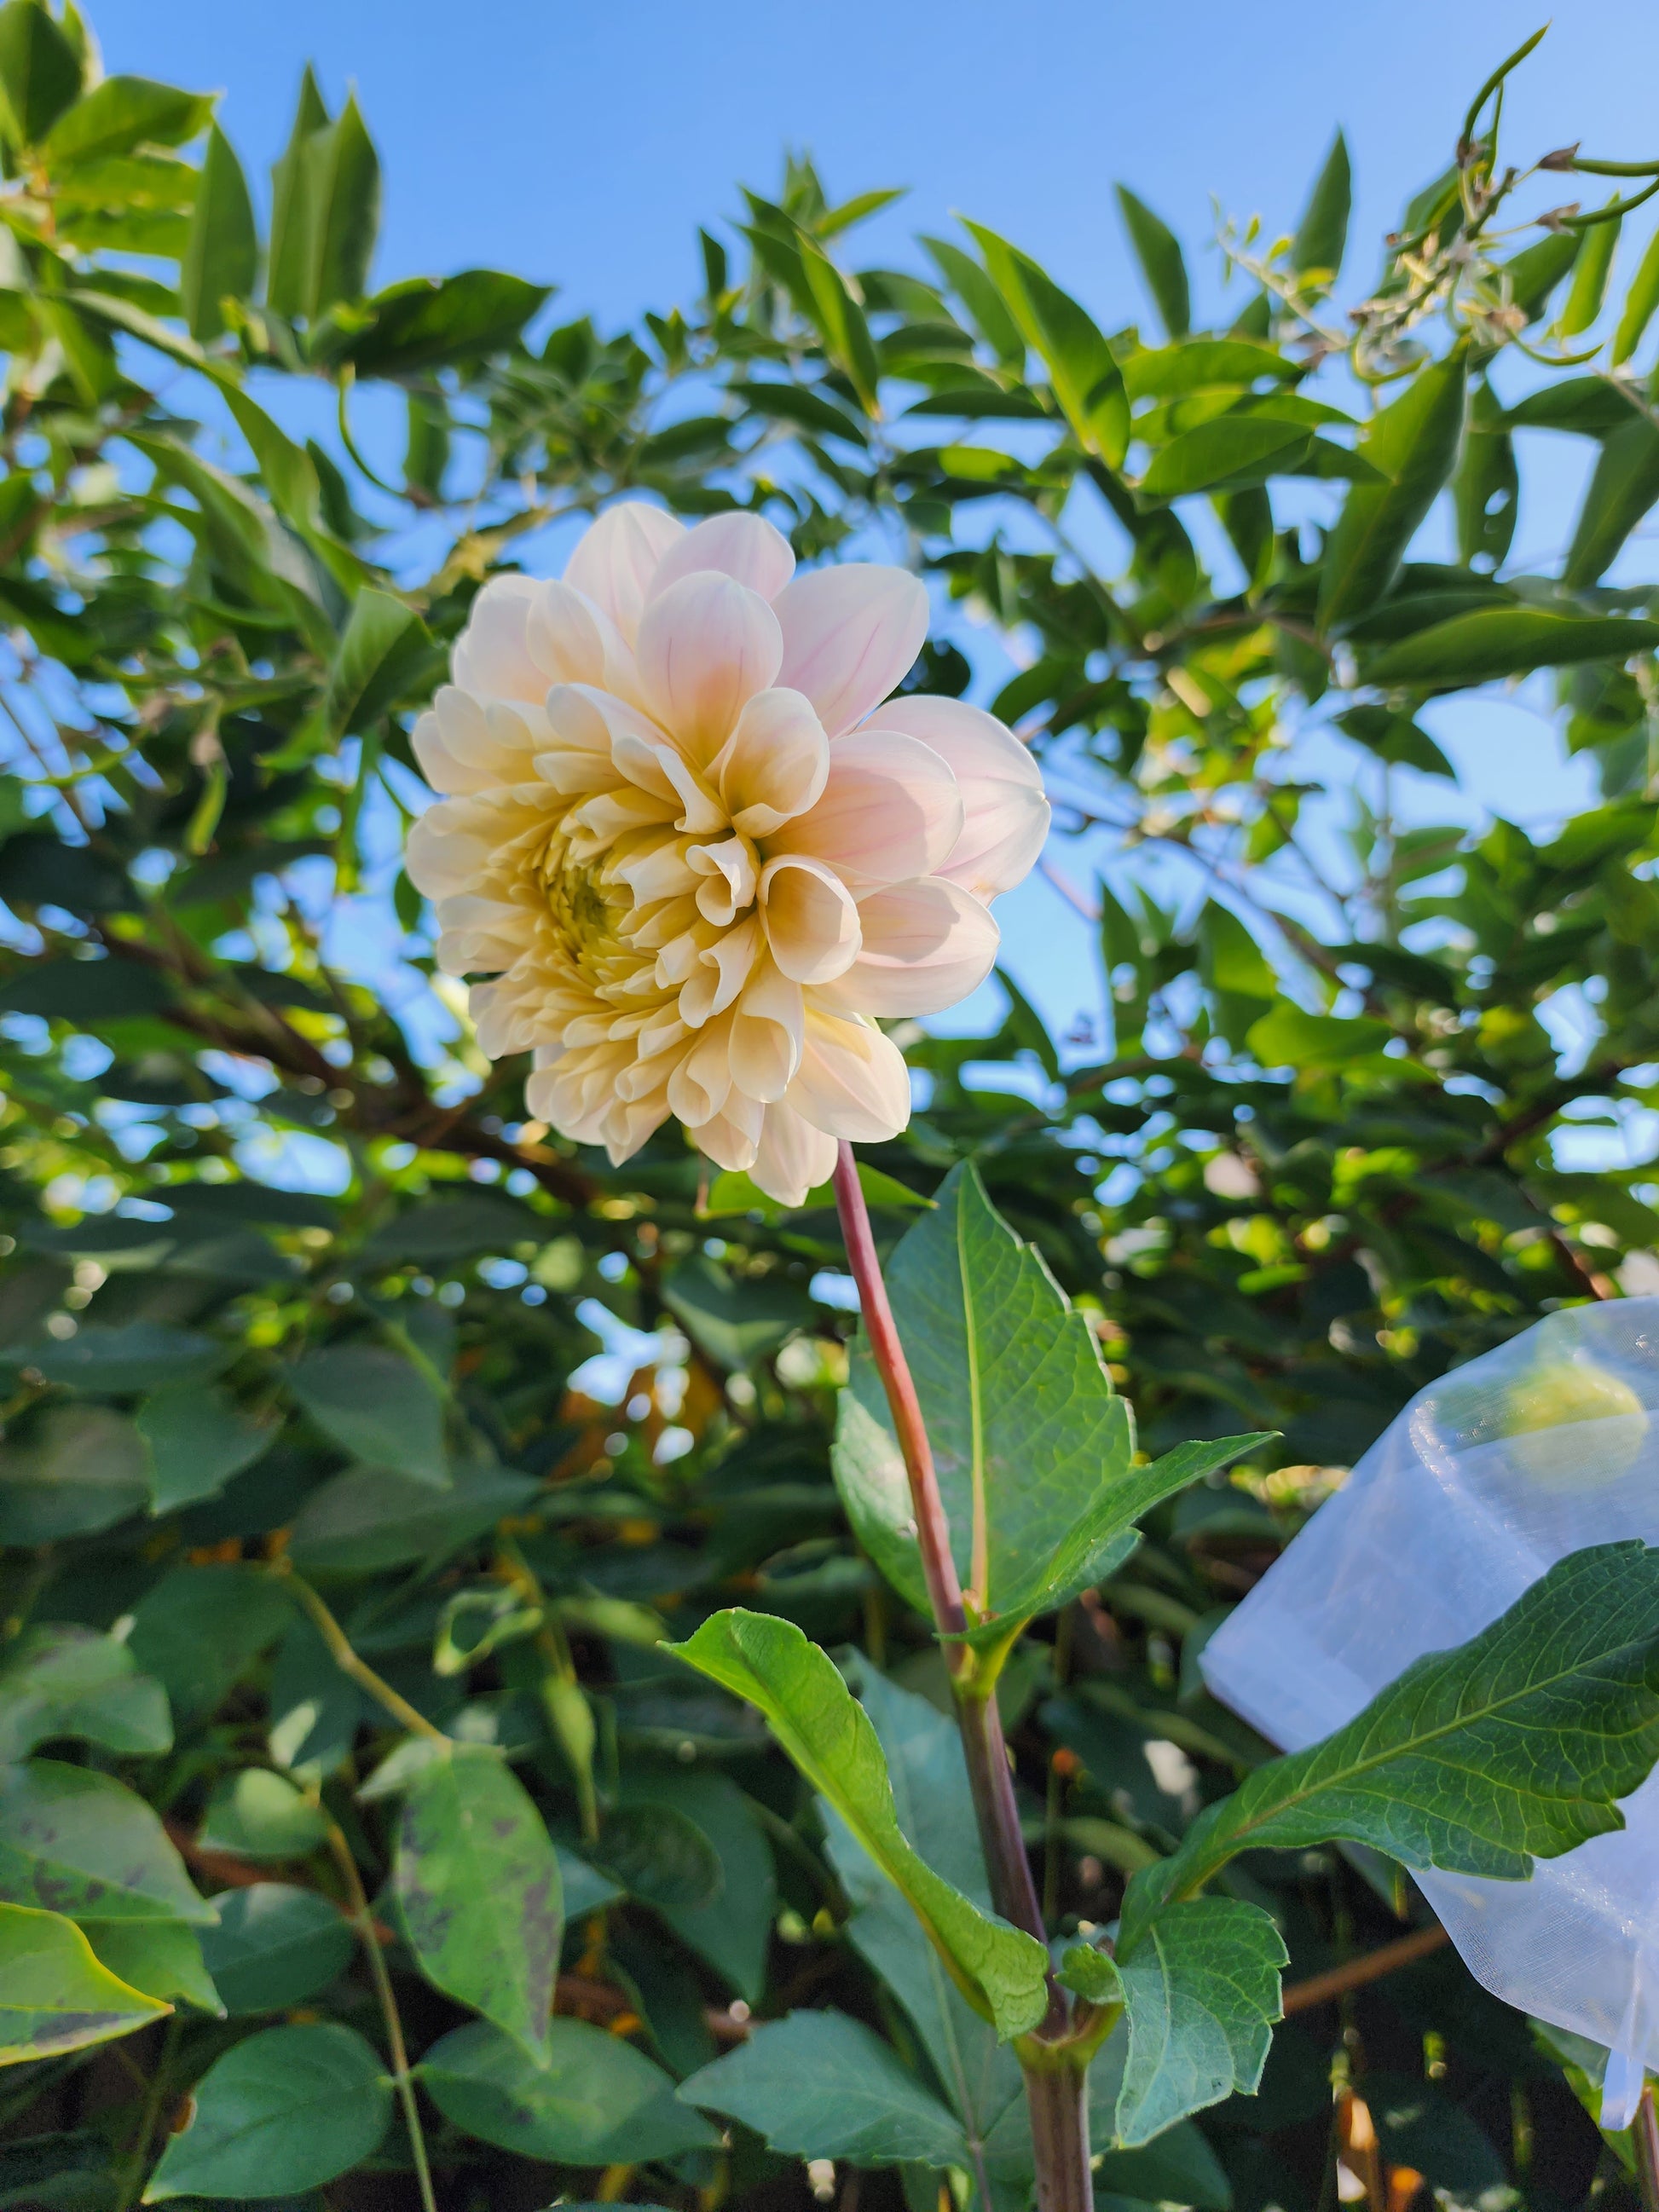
<point>581,146</point>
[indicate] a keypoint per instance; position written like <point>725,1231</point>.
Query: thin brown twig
<point>1369,1966</point>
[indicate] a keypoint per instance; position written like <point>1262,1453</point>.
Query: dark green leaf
<point>343,211</point>
<point>1414,442</point>
<point>257,1814</point>
<point>477,1883</point>
<point>1535,272</point>
<point>275,1945</point>
<point>198,1441</point>
<point>1086,380</point>
<point>1032,1445</point>
<point>659,1855</point>
<point>733,1322</point>
<point>596,2102</point>
<point>1200,1994</point>
<point>819,2084</point>
<point>40,71</point>
<point>980,295</point>
<point>1322,236</point>
<point>1158,252</point>
<point>1396,738</point>
<point>379,1406</point>
<point>76,1841</point>
<point>1494,642</point>
<point>64,1680</point>
<point>385,645</point>
<point>200,1628</point>
<point>1234,449</point>
<point>287,2110</point>
<point>841,319</point>
<point>222,257</point>
<point>814,1717</point>
<point>75,1470</point>
<point>163,1958</point>
<point>142,1355</point>
<point>121,114</point>
<point>1590,278</point>
<point>370,1519</point>
<point>1625,485</point>
<point>424,323</point>
<point>291,206</point>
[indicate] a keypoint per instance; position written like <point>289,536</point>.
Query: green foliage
<point>302,1464</point>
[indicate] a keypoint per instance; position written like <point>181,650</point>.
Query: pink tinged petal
<point>926,945</point>
<point>775,763</point>
<point>731,1137</point>
<point>654,766</point>
<point>792,1157</point>
<point>728,873</point>
<point>722,969</point>
<point>492,659</point>
<point>768,1035</point>
<point>851,1081</point>
<point>697,1088</point>
<point>614,561</point>
<point>572,642</point>
<point>461,747</point>
<point>891,809</point>
<point>1005,815</point>
<point>706,646</point>
<point>811,922</point>
<point>850,635</point>
<point>745,547</point>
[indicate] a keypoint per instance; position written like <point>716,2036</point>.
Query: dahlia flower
<point>695,851</point>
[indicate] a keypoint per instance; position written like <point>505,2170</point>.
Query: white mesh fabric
<point>1487,1478</point>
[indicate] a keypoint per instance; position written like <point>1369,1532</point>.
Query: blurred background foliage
<point>295,1301</point>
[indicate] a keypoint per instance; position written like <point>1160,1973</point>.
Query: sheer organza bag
<point>1488,1477</point>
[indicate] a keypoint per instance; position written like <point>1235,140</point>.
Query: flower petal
<point>615,561</point>
<point>811,922</point>
<point>774,764</point>
<point>1005,815</point>
<point>573,641</point>
<point>925,945</point>
<point>745,547</point>
<point>891,809</point>
<point>491,658</point>
<point>850,635</point>
<point>793,1156</point>
<point>851,1081</point>
<point>467,745</point>
<point>706,646</point>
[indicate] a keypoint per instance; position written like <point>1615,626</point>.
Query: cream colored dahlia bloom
<point>697,852</point>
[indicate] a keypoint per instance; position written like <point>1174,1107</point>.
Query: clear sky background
<point>582,145</point>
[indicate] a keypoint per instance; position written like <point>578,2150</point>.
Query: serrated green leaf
<point>1200,1994</point>
<point>815,1718</point>
<point>1515,1745</point>
<point>1415,443</point>
<point>819,2084</point>
<point>286,2111</point>
<point>476,1881</point>
<point>1032,1446</point>
<point>1157,250</point>
<point>1086,380</point>
<point>54,1993</point>
<point>1494,642</point>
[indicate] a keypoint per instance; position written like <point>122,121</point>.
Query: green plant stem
<point>363,1920</point>
<point>132,2179</point>
<point>1056,2082</point>
<point>346,1659</point>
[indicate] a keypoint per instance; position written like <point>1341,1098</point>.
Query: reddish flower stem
<point>1056,2089</point>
